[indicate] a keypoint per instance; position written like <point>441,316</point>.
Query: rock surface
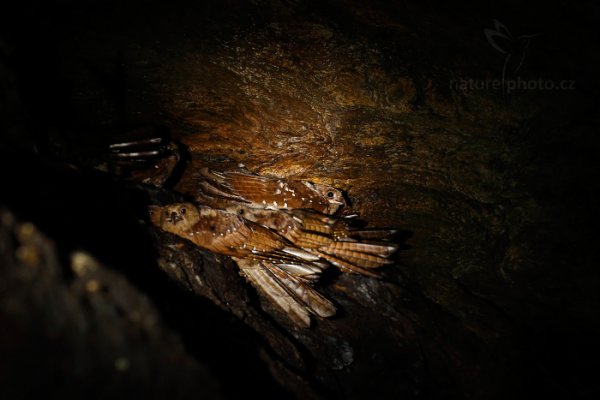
<point>496,293</point>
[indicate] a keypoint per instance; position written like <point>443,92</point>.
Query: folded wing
<point>287,289</point>
<point>268,192</point>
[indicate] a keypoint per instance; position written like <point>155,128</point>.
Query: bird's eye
<point>182,211</point>
<point>241,211</point>
<point>330,194</point>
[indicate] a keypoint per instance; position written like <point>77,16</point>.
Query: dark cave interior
<point>471,127</point>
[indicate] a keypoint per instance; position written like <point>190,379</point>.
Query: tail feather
<point>329,229</point>
<point>300,253</point>
<point>317,227</point>
<point>263,282</point>
<point>366,234</point>
<point>302,271</point>
<point>300,263</point>
<point>360,259</point>
<point>378,249</point>
<point>311,240</point>
<point>347,266</point>
<point>292,295</point>
<point>303,293</point>
<point>283,257</point>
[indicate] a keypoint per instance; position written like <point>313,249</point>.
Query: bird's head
<point>174,218</point>
<point>334,196</point>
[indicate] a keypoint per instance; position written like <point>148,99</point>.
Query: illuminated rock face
<point>396,105</point>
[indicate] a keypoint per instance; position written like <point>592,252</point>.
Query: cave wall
<point>496,290</point>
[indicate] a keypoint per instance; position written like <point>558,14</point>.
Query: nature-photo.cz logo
<point>514,51</point>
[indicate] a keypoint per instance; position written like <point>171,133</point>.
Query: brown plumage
<point>270,262</point>
<point>293,295</point>
<point>266,192</point>
<point>329,238</point>
<point>216,230</point>
<point>279,251</point>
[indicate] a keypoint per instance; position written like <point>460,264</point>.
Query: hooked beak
<point>173,218</point>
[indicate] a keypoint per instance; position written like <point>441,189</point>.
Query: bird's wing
<point>225,233</point>
<point>261,191</point>
<point>289,292</point>
<point>350,250</point>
